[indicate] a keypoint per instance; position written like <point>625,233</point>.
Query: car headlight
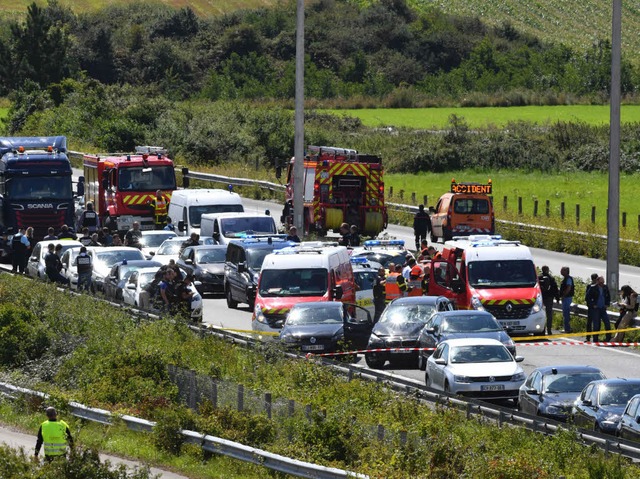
<point>289,338</point>
<point>462,379</point>
<point>476,303</point>
<point>259,315</point>
<point>557,409</point>
<point>537,305</point>
<point>375,341</point>
<point>518,377</point>
<point>611,419</point>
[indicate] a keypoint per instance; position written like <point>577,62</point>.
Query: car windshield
<point>138,178</point>
<point>617,394</point>
<point>303,315</point>
<point>470,324</point>
<point>520,273</point>
<point>255,258</point>
<point>153,240</point>
<point>293,282</point>
<point>170,247</point>
<point>408,313</point>
<point>208,256</point>
<point>568,383</point>
<point>109,258</point>
<point>258,224</point>
<point>480,353</point>
<point>146,278</point>
<point>39,188</point>
<point>196,212</point>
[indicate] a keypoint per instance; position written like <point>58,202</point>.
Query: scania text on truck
<point>340,186</point>
<point>488,273</point>
<point>35,184</point>
<point>122,187</point>
<point>465,210</point>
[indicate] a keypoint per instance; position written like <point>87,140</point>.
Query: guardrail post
<point>504,203</point>
<point>185,177</point>
<point>593,215</point>
<point>268,404</point>
<point>390,191</point>
<point>380,432</point>
<point>240,398</point>
<point>193,392</point>
<point>562,211</point>
<point>413,197</point>
<point>425,201</point>
<point>624,219</point>
<point>401,194</point>
<point>535,208</point>
<point>547,210</point>
<point>577,215</point>
<point>519,205</point>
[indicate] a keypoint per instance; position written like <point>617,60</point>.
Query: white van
<point>223,227</point>
<point>187,207</point>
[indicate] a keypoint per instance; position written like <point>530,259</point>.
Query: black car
<point>399,327</point>
<point>551,391</point>
<point>629,425</point>
<point>601,403</point>
<point>116,281</point>
<point>324,327</point>
<point>460,324</point>
<point>242,267</point>
<point>206,264</point>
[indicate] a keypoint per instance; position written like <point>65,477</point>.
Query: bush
<point>169,422</point>
<point>23,335</point>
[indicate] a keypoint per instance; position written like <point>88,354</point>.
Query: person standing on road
<point>379,302</point>
<point>549,289</point>
<point>591,305</point>
<point>89,219</point>
<point>566,296</point>
<point>421,224</point>
<point>85,269</point>
<point>55,435</point>
<point>601,299</point>
<point>19,247</point>
<point>159,205</point>
<point>630,306</point>
<point>132,237</point>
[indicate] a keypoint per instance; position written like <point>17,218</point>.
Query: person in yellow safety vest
<point>55,435</point>
<point>425,279</point>
<point>391,289</point>
<point>415,280</point>
<point>159,205</point>
<point>403,284</point>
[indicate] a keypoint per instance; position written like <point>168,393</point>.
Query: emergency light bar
<point>57,143</point>
<point>151,150</point>
<point>359,260</point>
<point>261,236</point>
<point>395,242</point>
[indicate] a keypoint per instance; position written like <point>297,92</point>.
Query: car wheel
<point>447,389</point>
<point>427,380</point>
<point>421,364</point>
<point>373,361</point>
<point>230,301</point>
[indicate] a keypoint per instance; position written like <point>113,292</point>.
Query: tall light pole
<point>613,215</point>
<point>298,149</point>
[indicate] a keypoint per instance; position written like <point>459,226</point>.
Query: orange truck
<point>122,186</point>
<point>340,186</point>
<point>467,209</point>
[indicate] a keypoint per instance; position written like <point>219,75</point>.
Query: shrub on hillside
<point>24,337</point>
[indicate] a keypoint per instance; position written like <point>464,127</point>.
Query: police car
<point>364,272</point>
<point>383,252</point>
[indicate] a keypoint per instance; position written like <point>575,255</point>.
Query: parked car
<point>550,391</point>
<point>104,257</point>
<point>69,269</point>
<point>601,403</point>
<point>170,249</point>
<point>460,324</point>
<point>115,281</point>
<point>35,264</point>
<point>152,239</point>
<point>325,326</point>
<point>629,425</point>
<point>399,327</point>
<point>206,264</point>
<point>478,368</point>
<point>364,274</point>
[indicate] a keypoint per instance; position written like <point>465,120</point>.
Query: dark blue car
<point>551,391</point>
<point>601,403</point>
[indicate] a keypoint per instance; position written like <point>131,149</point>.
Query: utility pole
<point>298,165</point>
<point>613,218</point>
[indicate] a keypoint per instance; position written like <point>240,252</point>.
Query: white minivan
<point>187,207</point>
<point>223,227</point>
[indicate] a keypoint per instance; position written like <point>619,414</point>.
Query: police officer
<point>421,224</point>
<point>159,205</point>
<point>53,266</point>
<point>55,435</point>
<point>379,293</point>
<point>403,284</point>
<point>169,226</point>
<point>19,246</point>
<point>84,265</point>
<point>89,219</point>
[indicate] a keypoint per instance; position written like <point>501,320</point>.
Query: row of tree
<point>352,51</point>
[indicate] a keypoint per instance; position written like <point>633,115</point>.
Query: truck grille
<point>517,311</point>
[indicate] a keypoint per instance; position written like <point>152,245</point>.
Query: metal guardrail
<point>208,443</point>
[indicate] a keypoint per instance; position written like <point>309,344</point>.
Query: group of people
<point>170,292</point>
<point>597,299</point>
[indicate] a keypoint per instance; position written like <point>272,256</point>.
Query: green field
<point>438,118</point>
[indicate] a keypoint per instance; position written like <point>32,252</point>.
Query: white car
<point>152,239</point>
<point>170,248</point>
<point>35,265</point>
<point>104,257</point>
<point>479,368</point>
<point>69,269</point>
<point>135,293</point>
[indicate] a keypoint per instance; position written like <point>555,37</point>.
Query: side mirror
<point>441,361</point>
<point>532,391</point>
<point>519,359</point>
<point>242,267</point>
<point>587,402</point>
<point>131,286</point>
<point>152,253</point>
<point>337,292</point>
<point>457,286</point>
<point>33,258</point>
<point>216,235</point>
<point>188,261</point>
<point>430,330</point>
<point>181,227</point>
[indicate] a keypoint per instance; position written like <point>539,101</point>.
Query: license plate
<point>492,387</point>
<point>312,347</point>
<point>510,323</point>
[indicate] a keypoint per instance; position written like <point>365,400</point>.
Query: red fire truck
<point>340,185</point>
<point>122,186</point>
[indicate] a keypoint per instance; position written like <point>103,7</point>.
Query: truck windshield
<point>39,188</point>
<point>196,212</point>
<point>293,282</point>
<point>259,224</point>
<point>137,178</point>
<point>515,273</point>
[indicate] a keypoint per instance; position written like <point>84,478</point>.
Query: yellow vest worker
<point>159,204</point>
<point>55,435</point>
